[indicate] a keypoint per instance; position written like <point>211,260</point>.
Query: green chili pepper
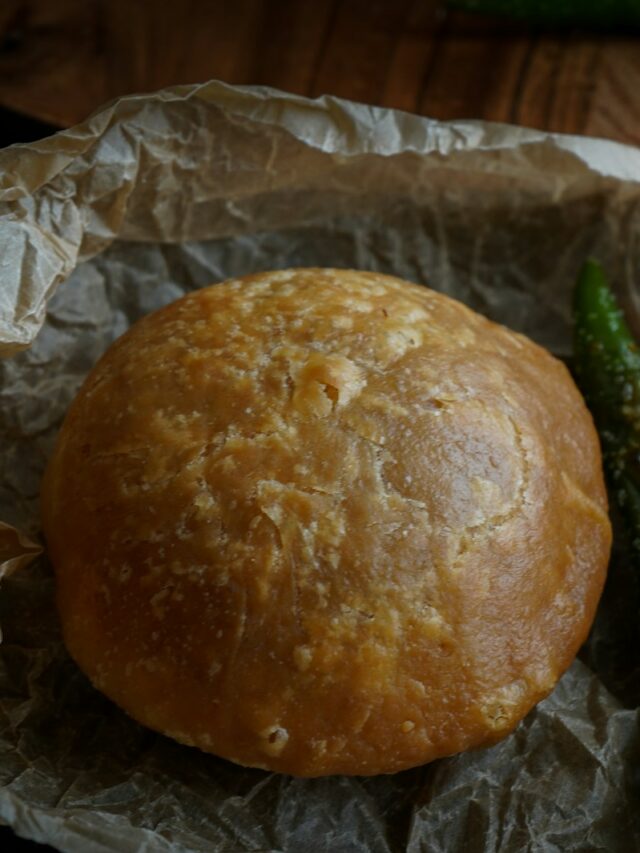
<point>591,13</point>
<point>607,365</point>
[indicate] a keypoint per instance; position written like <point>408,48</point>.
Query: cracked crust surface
<point>325,521</point>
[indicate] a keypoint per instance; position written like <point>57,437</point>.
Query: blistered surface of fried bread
<point>324,521</point>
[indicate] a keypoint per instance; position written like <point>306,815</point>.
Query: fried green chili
<point>607,366</point>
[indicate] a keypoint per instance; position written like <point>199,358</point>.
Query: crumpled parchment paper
<point>155,195</point>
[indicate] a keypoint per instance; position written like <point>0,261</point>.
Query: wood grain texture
<point>60,60</point>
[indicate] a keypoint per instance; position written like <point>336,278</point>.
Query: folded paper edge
<point>17,550</point>
<point>434,135</point>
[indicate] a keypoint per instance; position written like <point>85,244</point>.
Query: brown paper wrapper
<point>156,195</point>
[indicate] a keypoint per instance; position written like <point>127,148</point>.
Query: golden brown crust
<point>326,521</point>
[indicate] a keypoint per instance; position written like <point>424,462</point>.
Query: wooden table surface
<point>61,59</point>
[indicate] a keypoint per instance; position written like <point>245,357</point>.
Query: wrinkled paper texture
<point>156,195</point>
